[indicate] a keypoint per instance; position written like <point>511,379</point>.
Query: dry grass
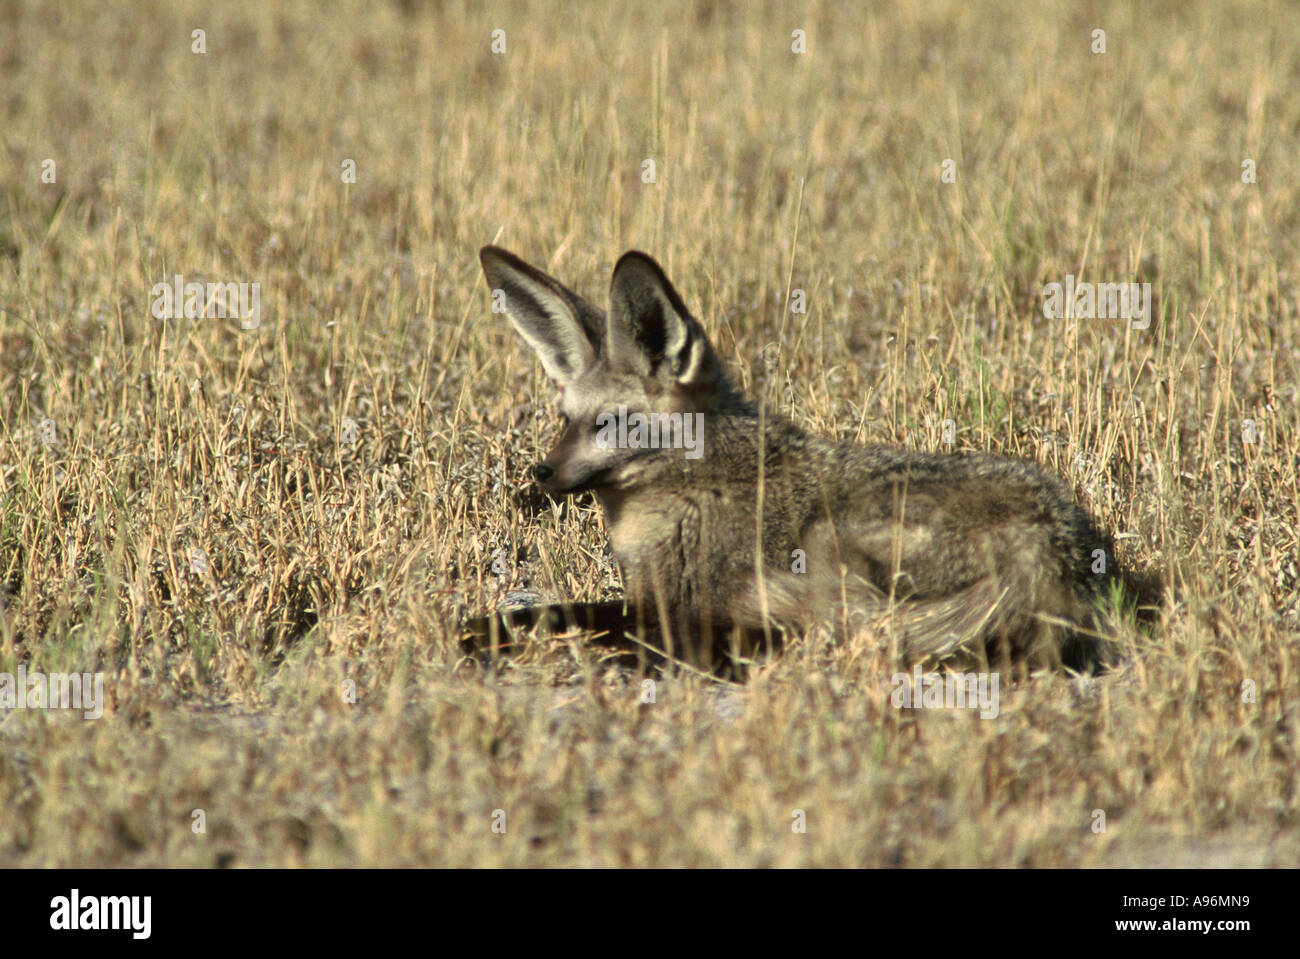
<point>329,561</point>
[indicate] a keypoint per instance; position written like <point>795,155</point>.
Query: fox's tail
<point>634,632</point>
<point>614,624</point>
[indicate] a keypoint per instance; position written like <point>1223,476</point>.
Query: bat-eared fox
<point>732,524</point>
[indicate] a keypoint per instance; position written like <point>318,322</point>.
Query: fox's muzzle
<point>561,483</point>
<point>569,467</point>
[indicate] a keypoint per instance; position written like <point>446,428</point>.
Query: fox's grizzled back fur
<point>965,553</point>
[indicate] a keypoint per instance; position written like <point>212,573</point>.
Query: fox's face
<point>640,382</point>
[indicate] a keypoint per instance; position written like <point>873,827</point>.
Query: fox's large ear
<point>649,328</point>
<point>563,328</point>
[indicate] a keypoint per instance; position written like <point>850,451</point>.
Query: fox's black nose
<point>543,472</point>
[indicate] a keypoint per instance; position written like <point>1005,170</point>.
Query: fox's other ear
<point>649,328</point>
<point>563,328</point>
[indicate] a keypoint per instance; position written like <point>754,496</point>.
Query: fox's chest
<point>678,527</point>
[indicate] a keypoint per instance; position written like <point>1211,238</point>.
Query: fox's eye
<point>564,421</point>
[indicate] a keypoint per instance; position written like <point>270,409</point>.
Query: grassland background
<point>330,561</point>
